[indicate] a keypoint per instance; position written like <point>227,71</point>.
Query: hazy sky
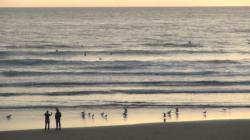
<point>120,3</point>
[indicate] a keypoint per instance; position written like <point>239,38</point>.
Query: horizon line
<point>227,6</point>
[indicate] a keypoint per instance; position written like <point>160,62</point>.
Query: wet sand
<point>199,130</point>
<point>27,119</point>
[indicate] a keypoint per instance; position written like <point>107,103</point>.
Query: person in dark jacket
<point>58,116</point>
<point>47,120</point>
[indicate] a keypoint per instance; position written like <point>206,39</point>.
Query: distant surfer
<point>189,43</point>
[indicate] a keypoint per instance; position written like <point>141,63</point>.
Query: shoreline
<point>26,119</point>
<point>193,130</point>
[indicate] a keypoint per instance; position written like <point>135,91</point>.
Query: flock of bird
<point>92,115</point>
<point>104,115</point>
<point>169,113</point>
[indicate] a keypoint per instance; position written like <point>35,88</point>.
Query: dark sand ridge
<point>200,130</point>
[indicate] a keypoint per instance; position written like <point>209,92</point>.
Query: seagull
<point>8,116</point>
<point>176,110</point>
<point>205,112</point>
<point>83,114</point>
<point>169,112</point>
<point>189,43</point>
<point>102,114</point>
<point>164,114</point>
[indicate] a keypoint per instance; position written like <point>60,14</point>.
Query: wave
<point>129,105</point>
<point>40,62</point>
<point>41,73</point>
<point>241,31</point>
<point>69,62</point>
<point>113,52</point>
<point>173,45</point>
<point>139,91</point>
<point>40,53</point>
<point>153,83</point>
<point>40,46</point>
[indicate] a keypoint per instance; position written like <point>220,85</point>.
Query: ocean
<point>133,57</point>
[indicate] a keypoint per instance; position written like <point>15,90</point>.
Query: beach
<point>199,130</point>
<point>182,73</point>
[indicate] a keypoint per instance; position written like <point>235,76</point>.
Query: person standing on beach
<point>47,120</point>
<point>58,116</point>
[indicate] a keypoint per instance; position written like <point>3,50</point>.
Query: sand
<point>199,130</point>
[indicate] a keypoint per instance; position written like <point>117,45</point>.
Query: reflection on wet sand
<point>89,117</point>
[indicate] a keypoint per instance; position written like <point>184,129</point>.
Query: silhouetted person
<point>47,120</point>
<point>58,116</point>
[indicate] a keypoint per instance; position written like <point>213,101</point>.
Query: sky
<point>120,3</point>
